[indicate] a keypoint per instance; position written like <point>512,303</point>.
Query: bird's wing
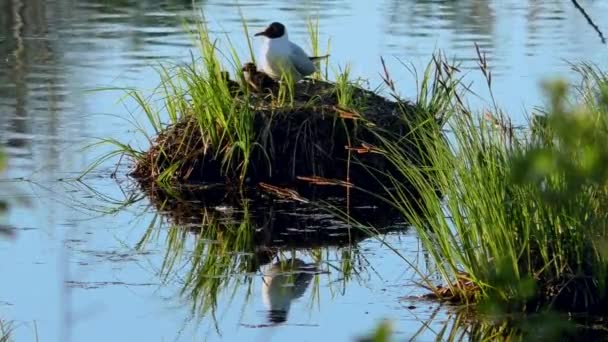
<point>301,61</point>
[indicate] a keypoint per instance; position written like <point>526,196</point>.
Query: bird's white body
<point>279,55</point>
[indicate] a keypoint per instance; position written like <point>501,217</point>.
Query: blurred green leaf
<point>382,333</point>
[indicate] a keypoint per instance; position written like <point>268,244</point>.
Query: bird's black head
<point>274,30</point>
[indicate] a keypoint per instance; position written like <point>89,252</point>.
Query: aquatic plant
<point>520,223</point>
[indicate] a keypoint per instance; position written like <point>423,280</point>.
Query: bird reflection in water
<point>282,283</point>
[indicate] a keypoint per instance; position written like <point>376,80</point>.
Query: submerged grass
<point>521,223</point>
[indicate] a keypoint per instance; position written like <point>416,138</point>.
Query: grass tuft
<point>521,220</point>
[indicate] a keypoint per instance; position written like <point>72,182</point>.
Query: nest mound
<point>311,139</point>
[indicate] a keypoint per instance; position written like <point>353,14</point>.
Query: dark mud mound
<point>312,137</point>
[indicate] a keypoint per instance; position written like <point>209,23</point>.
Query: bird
<point>256,80</point>
<point>282,283</point>
<point>279,55</point>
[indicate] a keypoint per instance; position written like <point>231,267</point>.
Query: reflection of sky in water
<point>55,51</point>
<point>112,285</point>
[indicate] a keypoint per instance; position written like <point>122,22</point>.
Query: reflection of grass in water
<point>220,250</point>
<point>462,325</point>
<point>216,261</point>
<point>3,204</point>
<point>221,254</point>
<point>5,231</point>
<point>8,327</point>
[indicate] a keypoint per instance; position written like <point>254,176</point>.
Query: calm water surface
<point>80,269</point>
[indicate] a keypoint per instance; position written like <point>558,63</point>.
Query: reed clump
<point>521,225</point>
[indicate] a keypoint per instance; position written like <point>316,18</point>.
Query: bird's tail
<point>318,58</point>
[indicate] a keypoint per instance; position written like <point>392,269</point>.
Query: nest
<point>312,139</point>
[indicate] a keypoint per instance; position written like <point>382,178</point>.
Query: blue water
<point>73,272</point>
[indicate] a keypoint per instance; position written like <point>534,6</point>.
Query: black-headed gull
<point>279,55</point>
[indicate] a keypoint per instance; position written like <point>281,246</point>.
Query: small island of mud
<point>310,132</point>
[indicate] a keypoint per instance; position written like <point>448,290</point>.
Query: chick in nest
<point>256,80</point>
